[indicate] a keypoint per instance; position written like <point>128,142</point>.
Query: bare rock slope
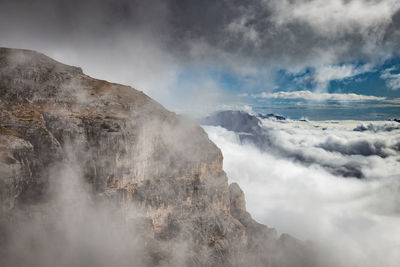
<point>160,171</point>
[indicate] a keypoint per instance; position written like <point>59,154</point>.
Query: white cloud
<point>243,95</point>
<point>356,222</point>
<point>392,79</point>
<point>337,17</point>
<point>323,74</point>
<point>315,96</point>
<point>326,73</point>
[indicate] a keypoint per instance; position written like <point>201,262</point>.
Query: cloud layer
<point>355,222</point>
<point>315,96</point>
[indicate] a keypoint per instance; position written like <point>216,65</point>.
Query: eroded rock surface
<point>156,167</point>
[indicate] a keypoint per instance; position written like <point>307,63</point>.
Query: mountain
<point>248,127</point>
<point>94,173</point>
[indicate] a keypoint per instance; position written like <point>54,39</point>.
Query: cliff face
<point>131,152</point>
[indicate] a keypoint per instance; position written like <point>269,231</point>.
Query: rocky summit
<point>94,173</point>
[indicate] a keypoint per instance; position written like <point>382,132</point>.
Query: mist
<point>73,228</point>
<point>72,222</point>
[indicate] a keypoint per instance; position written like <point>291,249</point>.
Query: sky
<point>319,59</point>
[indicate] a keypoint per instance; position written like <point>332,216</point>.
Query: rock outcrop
<point>154,166</point>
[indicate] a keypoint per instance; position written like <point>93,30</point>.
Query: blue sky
<point>368,82</point>
<point>340,91</point>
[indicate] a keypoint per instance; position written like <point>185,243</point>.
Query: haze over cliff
<point>98,174</point>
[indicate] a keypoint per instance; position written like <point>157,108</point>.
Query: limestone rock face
<point>129,150</point>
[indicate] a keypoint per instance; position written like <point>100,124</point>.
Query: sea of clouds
<point>296,185</point>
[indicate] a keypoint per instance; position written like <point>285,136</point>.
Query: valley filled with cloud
<point>332,182</point>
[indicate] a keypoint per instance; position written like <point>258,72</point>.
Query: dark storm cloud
<point>249,29</point>
<point>66,19</point>
<point>263,32</point>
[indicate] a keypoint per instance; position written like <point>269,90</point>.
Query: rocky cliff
<point>160,172</point>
